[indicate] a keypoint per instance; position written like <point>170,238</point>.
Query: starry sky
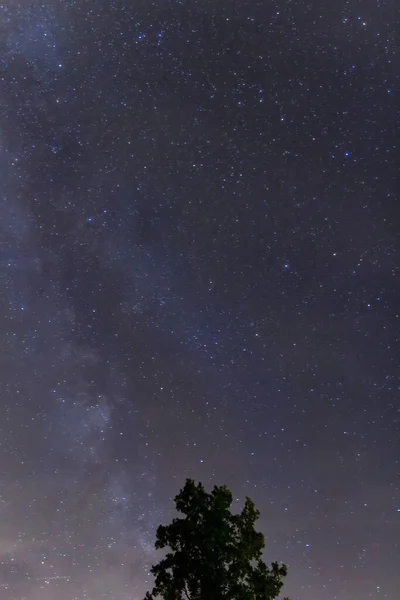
<point>199,268</point>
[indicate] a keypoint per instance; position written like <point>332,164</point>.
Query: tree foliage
<point>214,555</point>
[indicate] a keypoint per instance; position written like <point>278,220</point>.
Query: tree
<point>214,555</point>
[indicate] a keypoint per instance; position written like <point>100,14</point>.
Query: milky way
<point>199,276</point>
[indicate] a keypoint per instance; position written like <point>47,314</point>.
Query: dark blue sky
<point>199,274</point>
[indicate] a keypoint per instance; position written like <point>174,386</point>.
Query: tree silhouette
<point>214,555</point>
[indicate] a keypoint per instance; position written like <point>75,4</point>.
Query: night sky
<point>199,268</point>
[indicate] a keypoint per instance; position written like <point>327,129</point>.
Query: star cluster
<point>199,278</point>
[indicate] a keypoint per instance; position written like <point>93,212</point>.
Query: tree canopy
<point>213,554</point>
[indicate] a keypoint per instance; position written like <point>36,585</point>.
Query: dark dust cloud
<point>199,278</point>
